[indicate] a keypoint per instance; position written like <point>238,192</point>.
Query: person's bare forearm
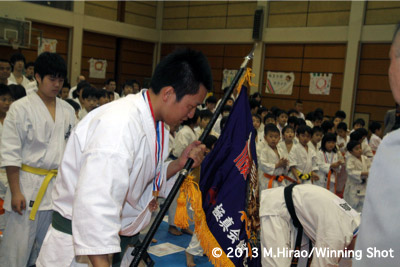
<point>13,179</point>
<point>99,260</point>
<point>173,168</point>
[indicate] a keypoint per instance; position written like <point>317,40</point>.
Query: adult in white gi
<point>381,213</point>
<point>114,157</point>
<point>35,132</point>
<point>327,220</point>
<point>357,168</point>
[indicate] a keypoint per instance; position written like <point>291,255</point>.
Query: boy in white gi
<point>288,140</point>
<point>35,132</point>
<point>272,164</point>
<point>281,120</point>
<point>329,163</point>
<point>357,167</point>
<point>342,138</point>
<point>316,137</point>
<point>5,102</point>
<point>375,140</point>
<point>113,167</point>
<point>328,221</point>
<point>360,135</point>
<point>302,159</point>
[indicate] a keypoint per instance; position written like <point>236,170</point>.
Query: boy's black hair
<point>253,96</point>
<point>110,93</point>
<point>79,87</point>
<point>269,115</point>
<point>128,83</point>
<point>358,134</point>
<point>261,110</point>
<point>340,114</point>
<point>287,127</point>
<point>326,126</point>
<point>193,120</point>
<point>17,57</point>
<point>50,64</point>
<point>229,98</point>
<point>342,126</point>
<point>257,116</point>
<point>205,114</point>
<point>226,108</point>
<point>209,141</point>
<point>300,121</point>
<point>292,111</point>
<point>89,92</point>
<point>352,144</point>
<point>253,103</point>
<point>328,137</point>
<point>5,61</point>
<point>294,120</point>
<point>102,93</point>
<point>359,121</point>
<point>211,99</point>
<point>374,126</point>
<point>5,90</point>
<point>73,104</point>
<point>29,64</point>
<point>274,110</point>
<point>17,91</point>
<point>302,129</point>
<point>316,129</point>
<point>109,80</point>
<point>319,111</point>
<point>310,116</point>
<point>66,84</point>
<point>298,101</point>
<point>280,112</point>
<point>270,127</point>
<point>317,117</point>
<point>223,122</point>
<point>185,70</point>
<point>136,82</point>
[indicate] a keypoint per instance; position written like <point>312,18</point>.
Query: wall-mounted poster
<point>97,68</point>
<point>320,83</point>
<point>227,78</point>
<point>279,83</point>
<point>47,45</point>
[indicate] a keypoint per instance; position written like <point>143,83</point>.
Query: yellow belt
<point>42,190</point>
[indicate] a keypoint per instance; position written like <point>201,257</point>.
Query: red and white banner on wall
<point>98,68</point>
<point>279,83</point>
<point>320,83</point>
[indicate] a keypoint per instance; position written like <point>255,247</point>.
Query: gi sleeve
<point>322,165</point>
<point>353,172</point>
<point>266,165</point>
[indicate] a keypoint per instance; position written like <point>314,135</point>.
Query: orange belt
<point>328,184</point>
<point>278,178</point>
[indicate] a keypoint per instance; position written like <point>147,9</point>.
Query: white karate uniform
<point>315,148</point>
<point>260,134</point>
<point>354,191</point>
<point>283,147</point>
<point>31,137</point>
<point>341,140</point>
<point>324,160</point>
<point>327,221</point>
<point>374,142</point>
<point>366,149</point>
<point>381,212</point>
<point>3,188</point>
<point>105,181</point>
<point>303,161</point>
<point>82,113</point>
<point>24,82</point>
<point>266,164</point>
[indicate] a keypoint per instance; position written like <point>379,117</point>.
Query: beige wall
<point>228,22</point>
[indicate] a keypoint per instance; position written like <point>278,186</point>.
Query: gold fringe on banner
<point>190,189</point>
<point>246,78</point>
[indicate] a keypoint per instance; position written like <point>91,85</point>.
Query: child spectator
<point>211,103</point>
<point>90,101</point>
<point>316,137</point>
<point>205,116</point>
<point>127,88</point>
<point>30,71</point>
<point>293,112</point>
<point>302,159</point>
<point>298,106</point>
<point>316,120</point>
<point>77,93</point>
<point>329,163</point>
<point>104,97</point>
<point>342,137</point>
<point>110,86</point>
<point>375,140</point>
<point>18,65</point>
<point>5,102</point>
<point>282,118</point>
<point>358,123</point>
<point>272,163</point>
<point>64,90</point>
<point>257,123</point>
<point>328,127</point>
<point>35,132</point>
<point>75,106</point>
<point>288,140</point>
<point>357,167</point>
<point>360,135</point>
<point>136,86</point>
<point>269,118</point>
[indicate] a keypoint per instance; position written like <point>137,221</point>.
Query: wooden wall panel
<point>135,60</point>
<point>382,12</point>
<point>98,46</point>
<point>373,95</point>
<point>302,59</point>
<point>220,56</point>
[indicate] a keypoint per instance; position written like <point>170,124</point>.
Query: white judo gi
<point>284,149</point>
<point>339,141</point>
<point>327,220</point>
<point>266,164</point>
<point>104,183</point>
<point>324,161</point>
<point>303,160</point>
<point>31,137</point>
<point>374,142</point>
<point>354,191</point>
<point>381,212</point>
<point>3,188</point>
